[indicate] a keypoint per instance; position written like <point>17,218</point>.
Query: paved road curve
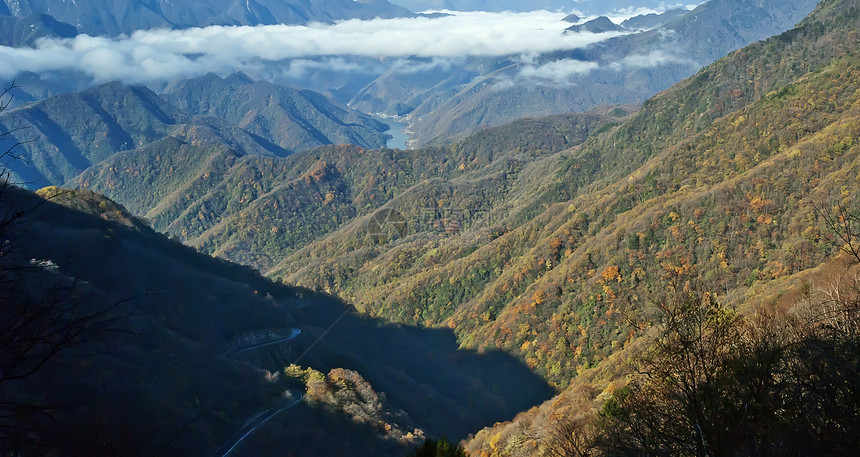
<point>293,333</point>
<point>249,428</point>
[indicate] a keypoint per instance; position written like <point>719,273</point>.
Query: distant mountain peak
<point>598,25</point>
<point>239,78</point>
<point>651,20</point>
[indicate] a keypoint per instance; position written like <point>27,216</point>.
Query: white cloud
<point>299,68</point>
<point>164,54</point>
<point>557,72</point>
<point>409,66</point>
<point>653,59</point>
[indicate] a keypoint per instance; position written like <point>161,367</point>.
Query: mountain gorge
<point>504,233</point>
<point>293,119</point>
<point>516,249</point>
<point>184,342</point>
<point>441,97</point>
<point>660,187</point>
<point>394,295</point>
<point>258,210</point>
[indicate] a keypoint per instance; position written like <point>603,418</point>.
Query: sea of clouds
<point>161,55</point>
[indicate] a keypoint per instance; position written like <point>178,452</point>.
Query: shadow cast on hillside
<point>447,390</point>
<point>208,302</point>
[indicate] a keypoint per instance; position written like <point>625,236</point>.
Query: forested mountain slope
<point>257,210</point>
<point>553,238</point>
<point>160,349</point>
<point>717,173</point>
<point>518,243</point>
<point>544,260</point>
<point>292,119</point>
<point>64,135</point>
<point>734,210</point>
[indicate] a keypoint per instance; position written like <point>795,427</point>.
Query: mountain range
<point>625,69</point>
<point>446,98</point>
<point>508,248</point>
<point>125,16</point>
<point>584,6</point>
<point>256,210</point>
<point>484,272</point>
<point>25,30</point>
<point>64,135</point>
<point>474,231</point>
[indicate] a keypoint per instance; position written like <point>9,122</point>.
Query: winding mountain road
<point>293,333</point>
<point>254,424</point>
<point>263,417</point>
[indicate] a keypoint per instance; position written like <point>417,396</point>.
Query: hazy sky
<point>165,54</point>
<point>585,6</point>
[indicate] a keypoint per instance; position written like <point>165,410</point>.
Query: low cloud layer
<point>557,72</point>
<point>165,54</point>
<point>652,59</point>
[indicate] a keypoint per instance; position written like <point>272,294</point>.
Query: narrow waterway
<point>397,130</point>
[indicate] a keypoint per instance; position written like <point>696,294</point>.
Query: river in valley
<point>397,130</point>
